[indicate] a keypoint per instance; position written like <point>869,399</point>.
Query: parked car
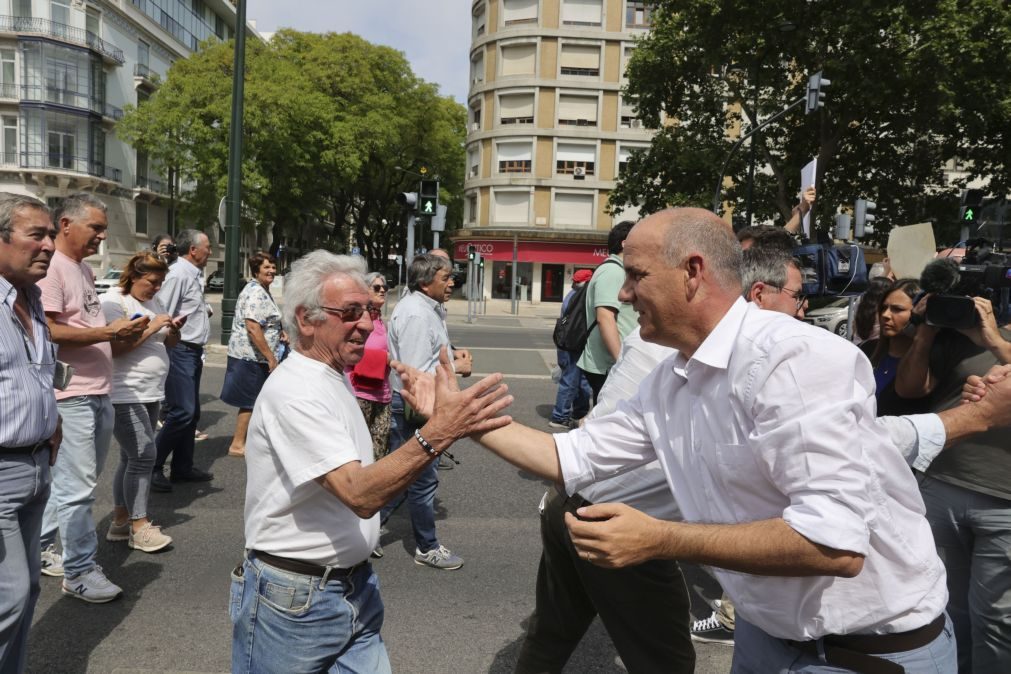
<point>107,282</point>
<point>216,282</point>
<point>834,316</point>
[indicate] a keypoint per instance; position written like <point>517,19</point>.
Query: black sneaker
<point>194,475</point>
<point>712,631</point>
<point>160,483</point>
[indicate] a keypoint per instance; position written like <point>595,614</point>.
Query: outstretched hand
<point>614,535</point>
<point>453,414</point>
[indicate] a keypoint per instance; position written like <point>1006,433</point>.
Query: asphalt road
<point>173,615</point>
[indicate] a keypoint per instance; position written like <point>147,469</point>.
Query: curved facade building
<point>548,135</point>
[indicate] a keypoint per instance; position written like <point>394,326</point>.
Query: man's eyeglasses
<point>379,288</point>
<point>797,296</point>
<point>354,313</point>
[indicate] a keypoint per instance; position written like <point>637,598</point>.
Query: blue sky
<point>435,34</point>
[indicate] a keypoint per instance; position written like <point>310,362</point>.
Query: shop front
<point>543,268</point>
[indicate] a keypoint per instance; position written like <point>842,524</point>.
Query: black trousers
<point>596,382</point>
<point>644,608</point>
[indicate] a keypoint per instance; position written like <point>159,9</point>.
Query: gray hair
<point>765,264</point>
<point>75,205</point>
<point>423,270</point>
<point>10,204</point>
<point>698,230</point>
<point>303,285</point>
<point>372,276</point>
<point>188,238</point>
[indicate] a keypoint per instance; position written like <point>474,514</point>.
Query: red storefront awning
<point>550,252</point>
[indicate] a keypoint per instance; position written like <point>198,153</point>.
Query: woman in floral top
<point>256,333</point>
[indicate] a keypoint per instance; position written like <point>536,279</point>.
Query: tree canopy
<point>327,119</point>
<point>914,87</point>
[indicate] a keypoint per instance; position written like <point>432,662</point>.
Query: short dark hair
<point>10,204</point>
<point>142,263</point>
<point>188,238</point>
<point>616,237</point>
<point>257,259</point>
<point>768,236</point>
<point>423,269</point>
<point>158,239</point>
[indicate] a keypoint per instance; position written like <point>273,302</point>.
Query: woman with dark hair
<point>256,332</point>
<point>138,387</point>
<point>866,325</point>
<point>894,311</point>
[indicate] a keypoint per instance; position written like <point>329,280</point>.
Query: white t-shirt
<point>138,376</point>
<point>306,423</point>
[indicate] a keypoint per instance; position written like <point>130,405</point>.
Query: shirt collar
<point>718,346</point>
<point>192,270</point>
<point>426,299</point>
<point>9,294</point>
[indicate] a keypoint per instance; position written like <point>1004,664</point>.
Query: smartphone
<point>136,316</point>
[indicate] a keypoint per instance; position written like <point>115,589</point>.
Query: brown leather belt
<point>27,449</point>
<point>857,651</point>
<point>304,568</point>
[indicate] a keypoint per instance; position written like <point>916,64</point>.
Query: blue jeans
<point>134,432</point>
<point>755,652</point>
<point>182,409</point>
<point>24,488</point>
<point>972,532</point>
<point>87,433</point>
<point>420,494</point>
<point>289,622</point>
<point>573,398</point>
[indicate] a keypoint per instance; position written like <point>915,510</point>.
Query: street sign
<point>439,221</point>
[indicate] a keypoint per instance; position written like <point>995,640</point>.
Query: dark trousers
<point>644,608</point>
<point>596,382</point>
<point>182,409</point>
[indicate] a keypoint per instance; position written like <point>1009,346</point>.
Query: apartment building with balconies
<point>549,133</point>
<point>67,69</point>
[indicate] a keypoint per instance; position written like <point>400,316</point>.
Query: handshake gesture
<point>453,414</point>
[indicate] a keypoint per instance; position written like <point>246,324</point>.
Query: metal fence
<point>34,26</point>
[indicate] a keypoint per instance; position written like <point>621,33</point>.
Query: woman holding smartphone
<point>138,385</point>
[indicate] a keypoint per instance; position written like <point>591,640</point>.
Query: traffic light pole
<point>234,202</point>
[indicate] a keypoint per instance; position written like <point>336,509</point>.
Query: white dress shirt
<point>182,294</point>
<point>773,418</point>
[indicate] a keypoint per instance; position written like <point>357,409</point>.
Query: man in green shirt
<point>611,320</point>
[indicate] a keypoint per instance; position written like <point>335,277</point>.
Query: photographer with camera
<point>967,491</point>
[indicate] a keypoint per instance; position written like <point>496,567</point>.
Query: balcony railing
<point>60,31</point>
<point>8,90</point>
<point>73,99</point>
<point>60,161</point>
<point>152,184</point>
<point>112,112</point>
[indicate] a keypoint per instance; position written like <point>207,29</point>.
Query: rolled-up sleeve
<point>808,439</point>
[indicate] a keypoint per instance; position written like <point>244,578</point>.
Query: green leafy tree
<point>915,85</point>
<point>328,118</point>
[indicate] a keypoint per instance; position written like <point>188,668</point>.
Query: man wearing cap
<point>572,401</point>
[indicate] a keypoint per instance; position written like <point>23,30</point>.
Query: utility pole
<point>234,198</point>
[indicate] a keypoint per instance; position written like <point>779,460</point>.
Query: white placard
<point>808,175</point>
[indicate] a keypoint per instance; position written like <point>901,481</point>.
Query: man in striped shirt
<point>29,423</point>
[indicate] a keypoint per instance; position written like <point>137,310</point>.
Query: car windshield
<point>113,274</point>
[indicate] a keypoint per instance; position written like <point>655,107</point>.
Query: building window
<point>582,12</point>
<point>576,160</point>
<point>471,214</point>
<point>511,207</point>
<point>475,115</point>
<point>59,11</point>
<point>519,59</point>
<point>141,223</point>
<point>477,67</point>
<point>62,83</point>
<point>637,14</point>
<point>22,8</point>
<point>516,108</point>
<point>473,161</point>
<point>479,20</point>
<point>10,140</point>
<point>624,152</point>
<point>628,116</point>
<point>61,149</point>
<point>580,60</point>
<point>93,21</point>
<point>518,12</point>
<point>143,53</point>
<point>8,74</point>
<point>574,210</point>
<point>576,110</point>
<point>514,157</point>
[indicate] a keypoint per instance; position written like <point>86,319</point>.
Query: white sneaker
<point>91,586</point>
<point>52,562</point>
<point>149,539</point>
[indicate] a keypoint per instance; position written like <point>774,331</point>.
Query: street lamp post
<point>234,197</point>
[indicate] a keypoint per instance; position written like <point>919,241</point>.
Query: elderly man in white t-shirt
<point>313,490</point>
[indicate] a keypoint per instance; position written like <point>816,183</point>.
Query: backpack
<point>571,331</point>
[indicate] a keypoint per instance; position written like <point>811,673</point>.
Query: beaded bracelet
<point>425,444</point>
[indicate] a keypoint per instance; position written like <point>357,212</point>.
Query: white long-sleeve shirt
<point>772,418</point>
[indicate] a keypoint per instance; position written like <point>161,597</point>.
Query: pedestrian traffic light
<point>971,208</point>
<point>968,215</point>
<point>471,252</point>
<point>408,200</point>
<point>428,197</point>
<point>816,86</point>
<point>863,218</point>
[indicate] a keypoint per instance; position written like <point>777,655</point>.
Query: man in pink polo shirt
<point>75,319</point>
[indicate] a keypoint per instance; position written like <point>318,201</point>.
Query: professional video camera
<point>981,273</point>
